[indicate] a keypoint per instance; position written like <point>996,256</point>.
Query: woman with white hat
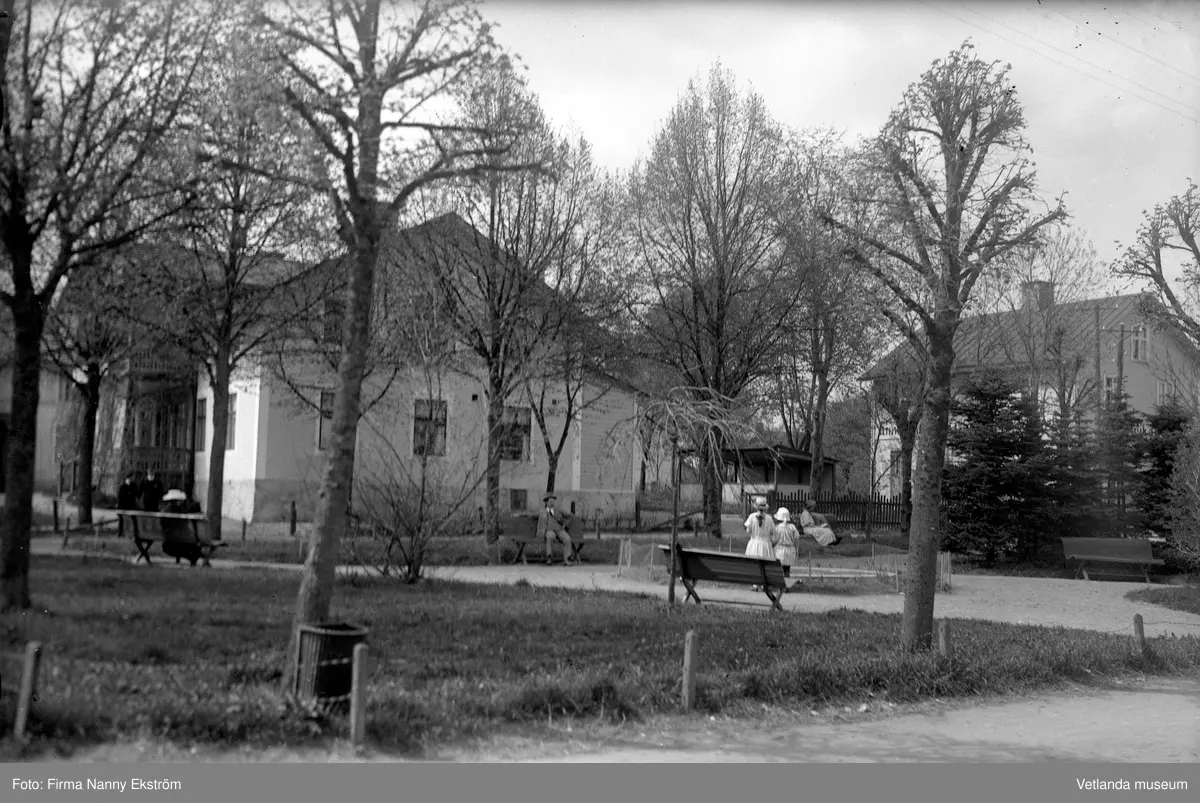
<point>761,527</point>
<point>787,540</point>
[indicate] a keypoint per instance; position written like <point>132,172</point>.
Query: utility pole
<point>1121,362</point>
<point>1099,375</point>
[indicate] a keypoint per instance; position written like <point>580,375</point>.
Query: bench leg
<point>520,553</point>
<point>143,548</point>
<point>773,597</point>
<point>576,548</point>
<point>691,590</point>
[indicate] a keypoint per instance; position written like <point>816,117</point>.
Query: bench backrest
<point>726,567</point>
<point>519,526</point>
<point>1133,548</point>
<point>184,528</point>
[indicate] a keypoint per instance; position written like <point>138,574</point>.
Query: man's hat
<point>548,497</point>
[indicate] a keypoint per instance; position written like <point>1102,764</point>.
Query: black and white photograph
<point>484,382</point>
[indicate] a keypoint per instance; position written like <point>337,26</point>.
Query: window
<point>231,429</point>
<point>518,499</point>
<point>516,427</point>
<point>429,428</point>
<point>1110,389</point>
<point>893,473</point>
<point>201,425</point>
<point>1138,344</point>
<point>331,321</point>
<point>324,420</point>
<point>1166,393</point>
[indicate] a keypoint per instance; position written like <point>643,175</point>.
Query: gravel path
<point>1084,604</point>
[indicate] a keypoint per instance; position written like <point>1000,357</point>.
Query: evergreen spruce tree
<point>994,479</point>
<point>1165,430</point>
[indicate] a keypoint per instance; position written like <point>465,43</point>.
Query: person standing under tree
<point>127,499</point>
<point>151,492</point>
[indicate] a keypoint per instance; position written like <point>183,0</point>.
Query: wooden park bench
<point>1114,555</point>
<point>184,529</point>
<point>727,567</point>
<point>522,530</point>
<point>18,688</point>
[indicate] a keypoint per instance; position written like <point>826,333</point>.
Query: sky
<point>1111,90</point>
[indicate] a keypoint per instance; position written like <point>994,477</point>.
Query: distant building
<point>1050,349</point>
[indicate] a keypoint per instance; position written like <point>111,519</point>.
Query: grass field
<point>1184,598</point>
<point>194,657</point>
<point>469,552</point>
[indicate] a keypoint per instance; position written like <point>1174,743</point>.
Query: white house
<point>275,451</point>
<point>424,423</point>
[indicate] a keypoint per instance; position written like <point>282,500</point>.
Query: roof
<point>994,340</point>
<point>774,453</point>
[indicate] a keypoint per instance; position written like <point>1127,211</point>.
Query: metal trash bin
<point>324,665</point>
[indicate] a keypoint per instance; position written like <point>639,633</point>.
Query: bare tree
<point>717,286</point>
<point>1036,330</point>
<point>837,327</point>
<point>90,92</point>
<point>525,283</point>
<point>412,490</point>
<point>953,173</point>
<point>366,80</point>
<point>89,337</point>
<point>1165,257</point>
<point>235,270</point>
<point>898,388</point>
<point>688,419</point>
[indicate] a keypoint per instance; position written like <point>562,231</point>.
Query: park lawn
<point>194,657</point>
<point>1184,598</point>
<point>467,551</point>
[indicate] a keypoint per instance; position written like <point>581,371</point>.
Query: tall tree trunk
<point>317,576</point>
<point>916,627</point>
<point>817,443</point>
<point>552,470</point>
<point>87,442</point>
<point>908,441</point>
<point>29,321</point>
<point>495,419</point>
<point>215,501</point>
<point>712,483</point>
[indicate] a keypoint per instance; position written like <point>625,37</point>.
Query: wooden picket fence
<point>851,509</point>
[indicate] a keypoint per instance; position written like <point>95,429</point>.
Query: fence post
<point>945,647</point>
<point>689,670</point>
<point>243,529</point>
<point>358,695</point>
<point>1139,636</point>
<point>55,503</point>
<point>292,520</point>
<point>28,689</point>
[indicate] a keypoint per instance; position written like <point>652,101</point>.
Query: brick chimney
<point>1037,295</point>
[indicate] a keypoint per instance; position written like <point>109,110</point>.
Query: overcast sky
<point>1111,91</point>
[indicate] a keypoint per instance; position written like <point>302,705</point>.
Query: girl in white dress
<point>761,527</point>
<point>787,540</point>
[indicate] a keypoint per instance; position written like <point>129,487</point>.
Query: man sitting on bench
<point>552,526</point>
